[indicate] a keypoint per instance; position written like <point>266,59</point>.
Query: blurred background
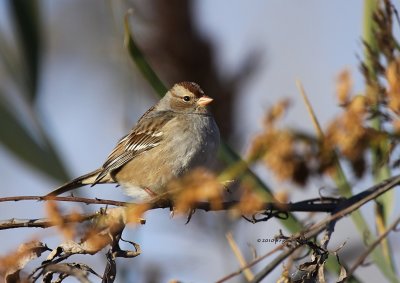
<point>69,91</point>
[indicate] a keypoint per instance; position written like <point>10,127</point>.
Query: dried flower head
<point>250,202</point>
<point>14,262</point>
<point>343,87</point>
<point>276,112</point>
<point>198,185</point>
<point>393,88</point>
<point>66,225</point>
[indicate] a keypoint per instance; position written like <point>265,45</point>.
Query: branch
<point>66,199</point>
<point>347,206</point>
<point>339,207</point>
<point>311,205</point>
<point>273,209</point>
<point>383,236</point>
<point>41,222</point>
<point>344,208</point>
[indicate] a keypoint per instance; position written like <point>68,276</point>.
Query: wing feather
<point>146,135</point>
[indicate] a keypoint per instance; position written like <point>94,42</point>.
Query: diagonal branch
<point>346,207</point>
<point>383,236</point>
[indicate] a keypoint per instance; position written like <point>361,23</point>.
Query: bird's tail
<point>86,179</point>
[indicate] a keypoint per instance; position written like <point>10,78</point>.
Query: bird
<point>173,137</point>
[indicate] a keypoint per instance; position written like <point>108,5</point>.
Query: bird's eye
<point>186,98</point>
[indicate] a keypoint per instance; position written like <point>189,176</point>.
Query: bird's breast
<point>195,144</point>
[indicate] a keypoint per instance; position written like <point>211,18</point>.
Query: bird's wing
<point>146,135</point>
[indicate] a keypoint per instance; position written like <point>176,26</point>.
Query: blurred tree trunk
<point>178,52</point>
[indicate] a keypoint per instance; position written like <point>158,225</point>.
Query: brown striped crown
<point>193,88</point>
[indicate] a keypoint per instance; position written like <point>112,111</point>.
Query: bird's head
<point>186,97</point>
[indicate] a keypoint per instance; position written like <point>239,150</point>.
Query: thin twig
<point>310,110</point>
<point>247,272</point>
<point>250,264</point>
<point>383,236</point>
<point>273,264</point>
<point>41,222</point>
<point>67,199</point>
<point>328,234</point>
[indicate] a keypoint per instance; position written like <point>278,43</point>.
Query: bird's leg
<point>150,192</point>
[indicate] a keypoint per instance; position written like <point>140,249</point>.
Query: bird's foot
<point>189,217</point>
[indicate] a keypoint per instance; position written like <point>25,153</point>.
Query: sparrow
<point>171,138</point>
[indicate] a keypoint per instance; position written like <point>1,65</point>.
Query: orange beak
<point>204,100</point>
